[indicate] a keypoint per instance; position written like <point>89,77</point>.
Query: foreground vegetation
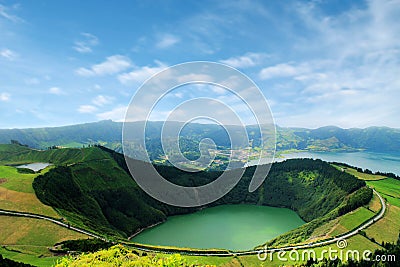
<point>120,256</point>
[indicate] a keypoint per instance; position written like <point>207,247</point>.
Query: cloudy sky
<point>317,62</point>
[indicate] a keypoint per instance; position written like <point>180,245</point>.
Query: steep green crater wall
<point>98,193</point>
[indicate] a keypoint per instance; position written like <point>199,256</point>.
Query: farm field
<point>365,176</point>
<point>32,259</point>
<point>351,220</point>
<point>26,238</point>
<point>17,194</point>
<point>389,188</point>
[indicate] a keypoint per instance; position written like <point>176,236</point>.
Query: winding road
<point>331,240</point>
<point>37,216</point>
<point>222,253</point>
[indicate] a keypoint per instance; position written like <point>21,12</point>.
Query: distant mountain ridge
<point>374,139</point>
<point>108,133</point>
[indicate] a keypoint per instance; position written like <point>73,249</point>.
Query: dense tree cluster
<point>25,171</point>
<point>82,245</point>
<point>102,197</point>
<point>4,262</point>
<point>16,142</point>
<point>358,199</point>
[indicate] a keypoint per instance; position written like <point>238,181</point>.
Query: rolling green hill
<point>90,187</point>
<point>67,135</point>
<point>376,139</point>
<point>16,154</point>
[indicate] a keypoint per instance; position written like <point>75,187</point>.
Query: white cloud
<point>5,12</point>
<point>85,72</point>
<point>87,109</point>
<point>178,95</point>
<point>8,54</point>
<point>56,91</point>
<point>353,33</point>
<point>102,100</point>
<point>140,74</point>
<point>192,77</point>
<point>5,97</point>
<point>86,44</point>
<point>167,40</point>
<point>116,114</point>
<point>336,94</point>
<point>245,61</point>
<point>113,64</point>
<point>283,70</point>
<point>219,90</point>
<point>355,80</point>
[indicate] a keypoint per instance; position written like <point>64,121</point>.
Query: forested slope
<point>98,193</point>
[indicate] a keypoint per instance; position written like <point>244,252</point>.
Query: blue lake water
<point>366,160</point>
<point>35,166</point>
<point>236,227</point>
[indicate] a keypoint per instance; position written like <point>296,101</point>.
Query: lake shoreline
<point>383,162</point>
<point>35,166</point>
<point>145,228</point>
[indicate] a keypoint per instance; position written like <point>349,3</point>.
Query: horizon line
<point>160,121</point>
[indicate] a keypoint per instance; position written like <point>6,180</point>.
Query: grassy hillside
<point>389,188</point>
<point>91,188</point>
<point>75,134</point>
<point>15,154</point>
<point>16,192</point>
<point>96,192</point>
<point>25,239</point>
<point>31,236</point>
<point>386,229</point>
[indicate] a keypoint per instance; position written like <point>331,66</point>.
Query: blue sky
<point>317,62</point>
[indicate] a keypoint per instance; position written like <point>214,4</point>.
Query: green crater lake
<point>235,227</point>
